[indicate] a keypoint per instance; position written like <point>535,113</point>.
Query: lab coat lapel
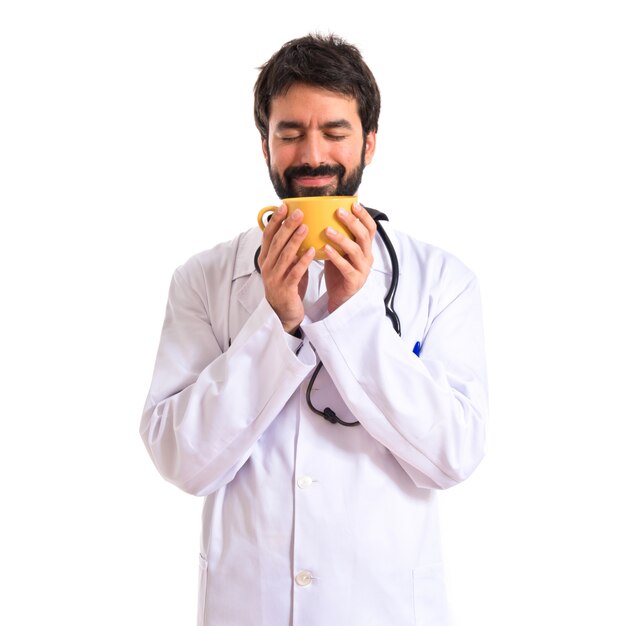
<point>247,286</point>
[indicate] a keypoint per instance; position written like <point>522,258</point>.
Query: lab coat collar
<point>382,262</point>
<point>247,246</point>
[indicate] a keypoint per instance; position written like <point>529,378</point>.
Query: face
<point>315,144</point>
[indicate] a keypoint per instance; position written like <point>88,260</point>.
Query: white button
<point>304,482</point>
<point>304,578</point>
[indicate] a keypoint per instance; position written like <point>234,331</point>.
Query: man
<point>307,521</point>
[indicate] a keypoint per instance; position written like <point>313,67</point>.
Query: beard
<point>347,182</point>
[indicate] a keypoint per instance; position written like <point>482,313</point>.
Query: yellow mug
<point>319,213</point>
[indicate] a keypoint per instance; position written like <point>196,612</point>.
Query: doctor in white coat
<point>307,522</point>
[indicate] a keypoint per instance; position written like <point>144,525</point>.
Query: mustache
<point>321,170</point>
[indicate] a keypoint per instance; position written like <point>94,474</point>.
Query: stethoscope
<point>328,414</point>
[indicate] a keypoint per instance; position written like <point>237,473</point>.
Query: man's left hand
<point>345,275</point>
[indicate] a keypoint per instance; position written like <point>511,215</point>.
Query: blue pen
<point>417,348</point>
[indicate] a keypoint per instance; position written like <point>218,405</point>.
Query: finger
<point>294,280</point>
<point>280,261</point>
<point>358,251</point>
<point>289,228</point>
<point>359,225</point>
<point>270,230</point>
<point>365,218</point>
<point>286,238</point>
<point>300,268</point>
<point>345,267</point>
<point>345,244</point>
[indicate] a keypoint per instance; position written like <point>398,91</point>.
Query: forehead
<point>306,104</point>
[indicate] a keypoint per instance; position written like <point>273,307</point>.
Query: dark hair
<point>322,61</point>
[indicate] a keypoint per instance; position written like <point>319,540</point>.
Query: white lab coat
<point>307,523</point>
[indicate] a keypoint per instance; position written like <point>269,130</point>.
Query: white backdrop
<point>127,144</point>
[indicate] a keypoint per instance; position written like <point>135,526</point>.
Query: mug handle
<point>262,214</point>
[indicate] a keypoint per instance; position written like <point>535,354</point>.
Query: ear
<point>370,146</point>
<point>266,152</point>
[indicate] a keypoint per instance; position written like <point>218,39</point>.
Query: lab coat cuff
<point>294,341</point>
<point>293,345</point>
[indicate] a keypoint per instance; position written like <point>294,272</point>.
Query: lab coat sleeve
<point>206,409</point>
<point>429,411</point>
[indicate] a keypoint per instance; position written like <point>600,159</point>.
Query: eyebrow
<point>293,125</point>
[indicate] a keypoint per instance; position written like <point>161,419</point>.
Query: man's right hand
<point>285,274</point>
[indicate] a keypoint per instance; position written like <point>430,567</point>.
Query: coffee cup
<point>319,213</point>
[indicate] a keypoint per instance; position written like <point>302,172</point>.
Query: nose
<point>312,151</point>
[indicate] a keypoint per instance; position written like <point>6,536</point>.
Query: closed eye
<point>290,138</point>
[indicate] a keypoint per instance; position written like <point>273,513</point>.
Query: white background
<point>127,144</point>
